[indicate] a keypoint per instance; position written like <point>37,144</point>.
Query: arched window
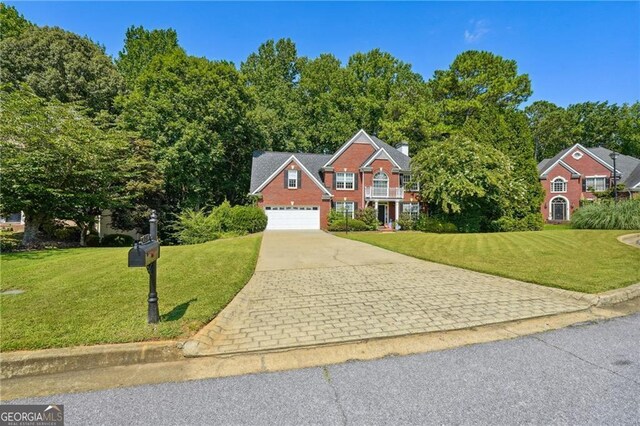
<point>559,184</point>
<point>380,185</point>
<point>559,209</point>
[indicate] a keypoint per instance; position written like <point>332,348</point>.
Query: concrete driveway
<point>312,288</point>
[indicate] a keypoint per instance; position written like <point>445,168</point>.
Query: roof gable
<point>548,165</point>
<point>361,138</point>
<point>380,154</point>
<point>267,165</point>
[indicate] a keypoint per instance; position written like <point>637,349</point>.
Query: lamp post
<point>613,156</point>
<point>346,216</point>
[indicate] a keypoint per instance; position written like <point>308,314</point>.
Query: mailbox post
<point>146,253</point>
<point>153,316</point>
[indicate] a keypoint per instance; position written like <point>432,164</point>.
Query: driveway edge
<point>63,360</point>
<point>212,367</point>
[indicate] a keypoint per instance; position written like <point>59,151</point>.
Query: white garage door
<point>292,217</point>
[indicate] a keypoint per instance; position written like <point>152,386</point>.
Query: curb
<point>52,361</point>
<point>62,360</point>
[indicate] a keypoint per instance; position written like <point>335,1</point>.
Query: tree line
<point>158,128</point>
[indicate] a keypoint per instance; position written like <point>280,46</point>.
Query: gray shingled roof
<point>544,164</point>
<point>625,165</point>
<point>398,157</point>
<point>628,167</point>
<point>265,163</point>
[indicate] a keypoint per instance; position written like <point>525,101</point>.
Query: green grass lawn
<point>89,296</point>
<point>589,261</point>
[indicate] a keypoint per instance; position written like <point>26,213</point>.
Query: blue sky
<point>573,52</point>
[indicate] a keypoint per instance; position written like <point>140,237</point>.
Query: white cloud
<point>479,28</point>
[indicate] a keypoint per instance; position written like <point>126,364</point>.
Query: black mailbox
<point>144,254</point>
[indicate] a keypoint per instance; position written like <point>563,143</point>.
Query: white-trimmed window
<point>595,183</point>
<point>412,208</point>
<point>345,180</point>
<point>292,179</point>
<point>349,206</point>
<point>380,185</point>
<point>559,184</point>
<point>405,182</point>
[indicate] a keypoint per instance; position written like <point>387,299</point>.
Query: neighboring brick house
<point>297,191</point>
<point>577,172</point>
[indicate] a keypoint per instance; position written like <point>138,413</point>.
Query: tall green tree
<point>552,128</point>
<point>56,164</point>
<point>140,47</point>
<point>326,103</point>
<point>469,182</point>
<point>60,65</point>
<point>12,23</point>
<point>375,76</point>
<point>272,74</point>
<point>196,113</point>
<point>476,80</point>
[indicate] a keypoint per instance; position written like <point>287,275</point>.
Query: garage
<point>290,217</point>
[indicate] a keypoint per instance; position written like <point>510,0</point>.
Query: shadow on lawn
<point>178,311</point>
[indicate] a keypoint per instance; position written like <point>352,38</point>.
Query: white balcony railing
<point>373,192</point>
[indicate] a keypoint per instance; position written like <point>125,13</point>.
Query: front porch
<point>387,211</point>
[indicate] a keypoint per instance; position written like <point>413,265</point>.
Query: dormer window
<point>559,184</point>
<point>292,179</point>
<point>577,155</point>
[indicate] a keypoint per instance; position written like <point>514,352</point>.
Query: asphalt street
<point>585,374</point>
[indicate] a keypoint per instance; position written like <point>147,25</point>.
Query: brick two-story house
<point>297,191</point>
<point>577,172</point>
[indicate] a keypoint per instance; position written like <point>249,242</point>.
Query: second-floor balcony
<point>374,192</point>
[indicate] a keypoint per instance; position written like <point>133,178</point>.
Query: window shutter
<point>286,175</point>
<point>334,180</point>
<point>355,207</point>
<point>299,179</point>
<point>607,183</point>
<point>355,181</point>
<point>584,185</point>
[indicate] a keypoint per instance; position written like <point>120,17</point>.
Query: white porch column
<point>397,210</point>
<point>376,206</point>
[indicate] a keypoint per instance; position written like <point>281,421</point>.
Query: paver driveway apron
<point>313,288</point>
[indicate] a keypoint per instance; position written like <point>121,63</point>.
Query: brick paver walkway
<point>314,288</point>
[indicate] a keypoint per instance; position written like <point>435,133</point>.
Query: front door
<point>382,213</point>
<point>559,209</point>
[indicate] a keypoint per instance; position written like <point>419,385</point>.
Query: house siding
<point>586,166</point>
<point>309,194</point>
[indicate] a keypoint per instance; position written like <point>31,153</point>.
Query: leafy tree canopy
<point>60,65</point>
<point>13,23</point>
<point>195,111</point>
<point>140,47</point>
<point>57,164</point>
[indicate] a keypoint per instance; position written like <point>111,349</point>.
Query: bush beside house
<point>196,226</point>
<point>606,214</point>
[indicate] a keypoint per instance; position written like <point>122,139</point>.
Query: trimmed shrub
<point>607,214</point>
<point>8,242</point>
<point>246,219</point>
<point>221,216</point>
<point>92,240</point>
<point>531,222</point>
<point>195,227</point>
<point>432,224</point>
<point>117,240</point>
<point>406,222</point>
<point>369,217</point>
<point>353,224</point>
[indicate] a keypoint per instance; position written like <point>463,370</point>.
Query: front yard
<point>90,296</point>
<point>589,261</point>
